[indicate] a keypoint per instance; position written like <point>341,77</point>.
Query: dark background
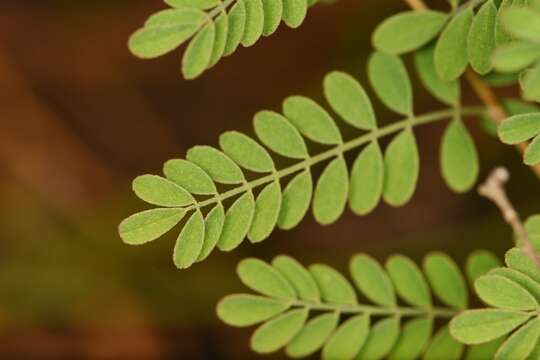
<point>80,117</point>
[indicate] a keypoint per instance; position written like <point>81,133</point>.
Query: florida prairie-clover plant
<point>220,196</point>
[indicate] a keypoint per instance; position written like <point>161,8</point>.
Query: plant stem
<point>338,151</point>
<point>378,310</point>
<point>483,91</point>
<point>493,189</point>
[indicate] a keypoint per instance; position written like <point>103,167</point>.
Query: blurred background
<point>80,117</point>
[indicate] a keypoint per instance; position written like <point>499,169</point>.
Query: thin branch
<point>483,91</point>
<point>494,190</point>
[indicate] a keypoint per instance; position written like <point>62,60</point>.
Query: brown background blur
<point>80,117</point>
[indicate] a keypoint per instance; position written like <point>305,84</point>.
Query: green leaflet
<point>413,339</point>
<point>213,225</point>
<point>530,83</point>
<point>381,339</point>
<point>267,208</point>
<point>197,56</point>
<point>254,25</point>
<point>190,242</point>
<point>313,335</point>
<point>532,226</point>
<point>348,339</point>
<point>408,31</point>
<point>277,133</point>
<point>521,343</point>
<point>294,12</point>
<point>519,128</point>
<point>218,165</point>
<point>522,23</point>
<point>159,191</point>
<point>199,4</point>
<point>479,263</point>
<point>372,280</point>
<point>402,166</point>
<point>349,100</point>
<point>446,280</point>
<point>273,12</point>
<point>443,346</point>
<point>408,281</point>
<point>189,176</point>
<point>532,154</point>
<point>331,192</point>
<point>237,222</point>
<point>333,286</point>
<point>296,200</point>
<point>298,276</point>
<point>277,332</point>
<point>517,260</point>
<point>501,36</point>
<point>246,152</point>
<point>367,179</point>
<point>446,91</point>
<point>389,79</point>
<point>311,120</point>
<point>515,56</point>
<point>459,159</point>
<point>523,280</point>
<point>481,39</point>
<point>485,351</point>
<point>164,32</point>
<point>502,292</point>
<point>264,279</point>
<point>237,23</point>
<point>148,225</point>
<point>247,310</point>
<point>222,31</point>
<point>451,51</point>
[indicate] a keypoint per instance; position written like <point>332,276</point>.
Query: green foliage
<point>339,326</point>
<point>513,293</point>
<point>253,207</point>
<point>215,28</point>
<point>520,128</point>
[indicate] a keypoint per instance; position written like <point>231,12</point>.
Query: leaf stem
<point>378,310</point>
<point>338,151</point>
